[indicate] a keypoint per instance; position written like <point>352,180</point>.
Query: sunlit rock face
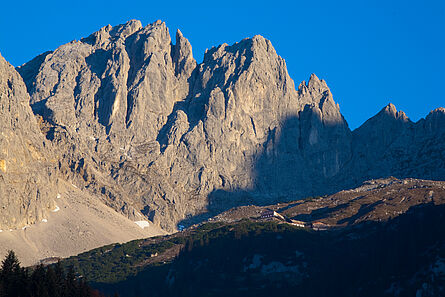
<point>26,168</point>
<point>134,120</point>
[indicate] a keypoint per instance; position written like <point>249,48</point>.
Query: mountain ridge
<point>244,244</point>
<point>133,120</point>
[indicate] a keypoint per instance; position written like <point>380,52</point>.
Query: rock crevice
<point>161,135</point>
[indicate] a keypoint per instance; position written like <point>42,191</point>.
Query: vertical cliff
<point>27,171</point>
<point>138,123</point>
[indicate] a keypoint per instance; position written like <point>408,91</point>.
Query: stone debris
<point>142,224</point>
<point>133,120</point>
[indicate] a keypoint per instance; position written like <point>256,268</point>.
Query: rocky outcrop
<point>390,144</point>
<point>105,98</point>
<point>27,184</point>
<point>326,138</point>
<point>137,122</point>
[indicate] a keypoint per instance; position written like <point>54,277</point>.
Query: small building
<point>271,214</point>
<point>299,223</point>
<point>320,226</point>
<point>268,214</point>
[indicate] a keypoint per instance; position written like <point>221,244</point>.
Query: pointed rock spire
<point>315,83</point>
<point>391,111</point>
<point>390,108</point>
<point>183,55</point>
<point>317,95</point>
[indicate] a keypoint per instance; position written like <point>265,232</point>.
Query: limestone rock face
<point>135,121</point>
<point>390,144</point>
<point>26,172</point>
<point>326,138</point>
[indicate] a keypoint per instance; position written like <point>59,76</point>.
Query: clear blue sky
<point>369,52</point>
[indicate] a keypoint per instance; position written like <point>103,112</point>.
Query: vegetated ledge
<point>229,258</point>
<point>357,214</point>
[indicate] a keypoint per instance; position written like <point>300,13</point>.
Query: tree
<point>70,283</point>
<point>10,276</point>
<point>59,279</point>
<point>39,282</point>
<point>50,281</point>
<point>10,264</point>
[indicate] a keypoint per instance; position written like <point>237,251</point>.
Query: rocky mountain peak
<point>139,124</point>
<point>261,43</point>
<point>125,30</point>
<point>438,112</point>
<point>317,96</point>
<point>107,34</point>
<point>388,118</point>
<point>315,92</point>
<point>390,109</point>
<point>391,112</point>
<point>434,121</point>
<point>244,66</point>
<point>316,85</point>
<point>183,56</point>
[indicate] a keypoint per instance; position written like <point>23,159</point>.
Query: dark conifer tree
<point>39,282</point>
<point>60,279</point>
<point>50,281</point>
<point>24,283</point>
<point>70,283</point>
<point>10,275</point>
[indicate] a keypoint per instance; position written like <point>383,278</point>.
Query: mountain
<point>42,214</point>
<point>390,144</point>
<point>133,122</point>
<point>383,238</point>
<point>27,166</point>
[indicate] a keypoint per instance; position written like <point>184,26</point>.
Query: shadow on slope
<point>304,157</point>
<point>283,171</point>
<point>371,259</point>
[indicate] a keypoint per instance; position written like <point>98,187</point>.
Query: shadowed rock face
<point>137,122</point>
<point>26,175</point>
<point>390,144</point>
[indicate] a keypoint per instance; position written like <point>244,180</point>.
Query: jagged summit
<point>434,120</point>
<point>386,117</point>
<point>109,33</point>
<point>138,123</point>
<point>315,91</point>
<point>391,111</point>
<point>183,56</point>
<point>439,112</point>
<point>315,83</point>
